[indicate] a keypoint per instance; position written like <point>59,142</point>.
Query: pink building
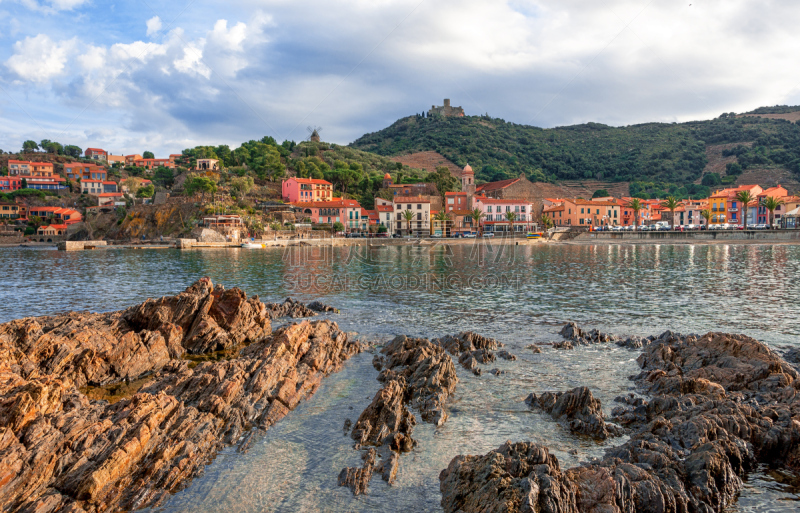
<point>306,190</point>
<point>347,212</point>
<point>495,210</point>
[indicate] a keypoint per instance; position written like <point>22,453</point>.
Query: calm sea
<point>517,294</point>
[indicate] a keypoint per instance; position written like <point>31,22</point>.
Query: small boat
<point>535,235</point>
<point>252,245</point>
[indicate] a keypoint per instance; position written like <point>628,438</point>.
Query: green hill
<point>664,157</point>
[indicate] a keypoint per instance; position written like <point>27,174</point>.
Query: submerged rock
<point>467,341</point>
<point>534,348</point>
<point>296,309</point>
<point>720,404</point>
<point>64,452</point>
<point>417,373</point>
<point>577,409</point>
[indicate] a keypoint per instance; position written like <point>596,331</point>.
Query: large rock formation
<point>417,373</point>
<point>97,349</point>
<point>63,452</point>
<point>720,404</point>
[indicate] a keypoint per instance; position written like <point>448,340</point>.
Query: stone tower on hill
<point>315,136</point>
<point>447,110</point>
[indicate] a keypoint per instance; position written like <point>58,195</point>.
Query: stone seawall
<point>69,245</point>
<point>733,236</point>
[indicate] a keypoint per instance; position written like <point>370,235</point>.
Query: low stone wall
<point>700,235</point>
<point>79,245</point>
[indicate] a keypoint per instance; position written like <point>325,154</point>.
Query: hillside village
<point>263,189</point>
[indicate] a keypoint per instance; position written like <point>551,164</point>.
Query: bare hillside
<point>429,161</point>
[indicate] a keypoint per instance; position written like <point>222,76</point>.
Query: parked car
<point>488,234</point>
<point>469,235</point>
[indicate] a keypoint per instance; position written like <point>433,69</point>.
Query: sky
<point>134,76</point>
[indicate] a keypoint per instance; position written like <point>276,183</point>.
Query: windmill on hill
<point>314,133</point>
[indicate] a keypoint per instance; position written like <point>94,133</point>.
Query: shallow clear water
<point>519,295</point>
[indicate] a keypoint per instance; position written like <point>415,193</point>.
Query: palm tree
<point>706,214</point>
<point>635,204</point>
<point>671,204</point>
<point>476,214</point>
<point>771,204</point>
<point>511,217</point>
<point>408,216</point>
<point>547,222</point>
<point>745,197</point>
<point>442,216</point>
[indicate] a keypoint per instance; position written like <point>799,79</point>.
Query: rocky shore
<point>714,406</point>
<point>62,451</point>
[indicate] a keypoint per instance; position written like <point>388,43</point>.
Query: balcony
<point>733,210</point>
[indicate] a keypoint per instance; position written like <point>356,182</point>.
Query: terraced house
<point>96,154</point>
<point>9,210</point>
<point>37,175</point>
<point>725,208</point>
<point>347,212</point>
<point>81,171</point>
<point>496,210</point>
<point>420,208</point>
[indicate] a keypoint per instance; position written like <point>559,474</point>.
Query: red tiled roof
<point>555,208</point>
<point>312,181</point>
<point>493,186</point>
<point>384,208</point>
<point>411,199</point>
<point>455,193</point>
<point>96,150</point>
<point>109,183</point>
<point>31,163</point>
<point>91,181</point>
<point>495,201</point>
<point>110,194</point>
<point>327,204</point>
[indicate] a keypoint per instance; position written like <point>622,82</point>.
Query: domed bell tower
<point>468,183</point>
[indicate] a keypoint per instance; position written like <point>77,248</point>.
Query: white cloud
<point>52,6</point>
<point>39,58</point>
<point>192,60</point>
<point>153,25</point>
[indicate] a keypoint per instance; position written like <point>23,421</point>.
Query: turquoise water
<point>520,295</point>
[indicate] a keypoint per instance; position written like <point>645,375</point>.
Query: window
<point>598,211</point>
<point>450,201</point>
<point>516,209</point>
<point>581,220</point>
<point>523,208</point>
<point>508,208</point>
<point>582,211</point>
<point>419,206</point>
